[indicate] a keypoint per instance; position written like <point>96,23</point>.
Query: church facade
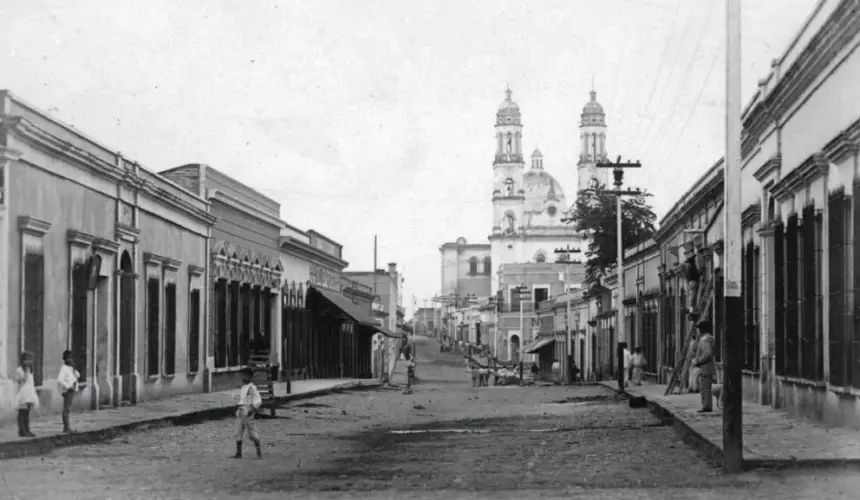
<point>529,208</point>
<point>529,205</point>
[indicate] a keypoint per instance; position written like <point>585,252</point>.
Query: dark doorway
<point>126,327</point>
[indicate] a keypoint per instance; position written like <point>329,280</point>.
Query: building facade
<point>246,271</point>
<point>467,271</point>
<point>123,252</point>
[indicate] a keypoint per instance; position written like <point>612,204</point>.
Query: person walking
<point>705,363</point>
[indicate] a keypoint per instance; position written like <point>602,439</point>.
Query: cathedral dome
<point>592,112</point>
<point>509,111</point>
<point>542,189</point>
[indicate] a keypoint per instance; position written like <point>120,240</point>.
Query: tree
<point>595,213</point>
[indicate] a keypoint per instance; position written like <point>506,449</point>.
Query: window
<point>194,332</point>
<point>669,329</point>
<point>153,294</point>
<point>221,324</point>
<point>541,294</point>
<point>792,310</point>
<point>779,299</point>
<point>473,266</point>
<point>540,257</point>
<point>808,303</point>
<point>34,310</point>
<point>751,283</point>
<point>552,210</point>
<point>170,328</point>
<point>244,331</point>
<point>839,211</point>
<point>78,340</point>
<point>235,326</point>
<point>509,187</point>
<point>488,265</point>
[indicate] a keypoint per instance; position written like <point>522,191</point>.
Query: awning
<point>538,345</point>
<point>346,306</point>
<point>388,333</point>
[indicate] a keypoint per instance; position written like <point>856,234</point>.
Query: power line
<point>641,139</point>
<point>692,112</point>
<point>659,70</point>
<point>660,137</point>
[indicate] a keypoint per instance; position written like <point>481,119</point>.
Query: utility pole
<point>566,251</point>
<point>618,175</point>
<point>733,455</point>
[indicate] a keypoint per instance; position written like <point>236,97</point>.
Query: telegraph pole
<point>618,174</point>
<point>568,377</point>
<point>733,455</point>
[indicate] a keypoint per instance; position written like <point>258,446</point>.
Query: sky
<point>366,117</point>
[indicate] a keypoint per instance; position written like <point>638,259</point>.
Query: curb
<point>688,435</point>
<point>44,444</point>
<point>693,438</point>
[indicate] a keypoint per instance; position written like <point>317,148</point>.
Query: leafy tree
<point>595,213</point>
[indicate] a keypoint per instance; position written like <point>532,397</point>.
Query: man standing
<point>705,363</point>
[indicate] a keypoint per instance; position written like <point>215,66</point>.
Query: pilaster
<point>7,157</point>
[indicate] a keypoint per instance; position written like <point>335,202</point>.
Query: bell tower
<point>592,142</point>
<point>508,169</point>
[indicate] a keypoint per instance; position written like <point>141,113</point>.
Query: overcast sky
<point>366,117</point>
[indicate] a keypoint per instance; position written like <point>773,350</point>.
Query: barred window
<point>839,206</point>
<point>791,317</point>
<point>194,331</point>
<point>170,328</point>
<point>153,295</point>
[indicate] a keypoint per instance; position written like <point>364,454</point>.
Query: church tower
<point>592,139</point>
<point>508,169</point>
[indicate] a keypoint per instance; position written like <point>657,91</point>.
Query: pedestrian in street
<point>249,402</point>
<point>638,365</point>
<point>67,381</point>
<point>705,363</point>
<point>27,397</point>
<point>574,370</point>
<point>628,363</point>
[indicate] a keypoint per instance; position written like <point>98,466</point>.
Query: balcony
<point>527,307</point>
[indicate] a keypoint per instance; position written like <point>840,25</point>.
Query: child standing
<point>249,402</point>
<point>67,382</point>
<point>27,397</point>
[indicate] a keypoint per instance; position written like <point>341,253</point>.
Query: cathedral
<point>528,204</point>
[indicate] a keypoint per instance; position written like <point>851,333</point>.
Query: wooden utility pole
<point>566,251</point>
<point>733,312</point>
<point>618,173</point>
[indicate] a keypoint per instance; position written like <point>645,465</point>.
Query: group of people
<point>634,365</point>
<point>481,373</point>
<point>28,398</point>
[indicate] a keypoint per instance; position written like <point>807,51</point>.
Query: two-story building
<point>100,256</point>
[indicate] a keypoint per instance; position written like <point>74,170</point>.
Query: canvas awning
<point>538,345</point>
<point>346,306</point>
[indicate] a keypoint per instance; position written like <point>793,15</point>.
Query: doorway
<point>514,349</point>
<point>126,328</point>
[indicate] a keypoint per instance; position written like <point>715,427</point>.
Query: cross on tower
<point>508,92</point>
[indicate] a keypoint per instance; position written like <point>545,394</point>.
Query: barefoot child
<point>249,402</point>
<point>27,397</point>
<point>67,381</point>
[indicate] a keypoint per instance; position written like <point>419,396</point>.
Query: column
<point>277,328</point>
<point>7,157</point>
<point>766,313</point>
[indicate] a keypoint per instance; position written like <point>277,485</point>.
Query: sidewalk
<point>100,425</point>
<point>772,438</point>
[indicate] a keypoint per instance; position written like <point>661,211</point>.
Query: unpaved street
<point>447,440</point>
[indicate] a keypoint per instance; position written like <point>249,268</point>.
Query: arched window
<point>509,187</point>
<point>473,266</point>
<point>540,256</point>
<point>488,265</point>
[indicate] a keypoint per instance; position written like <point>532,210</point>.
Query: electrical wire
<point>666,123</point>
<point>641,139</point>
<point>662,164</point>
<point>659,71</point>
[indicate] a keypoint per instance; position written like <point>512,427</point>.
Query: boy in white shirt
<point>67,381</point>
<point>249,402</point>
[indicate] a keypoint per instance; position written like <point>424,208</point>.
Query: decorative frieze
<point>814,167</point>
<point>770,167</point>
<point>751,215</point>
<point>79,239</point>
<point>106,246</point>
<point>127,233</point>
<point>244,272</point>
<point>150,259</point>
<point>32,226</point>
<point>171,264</point>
